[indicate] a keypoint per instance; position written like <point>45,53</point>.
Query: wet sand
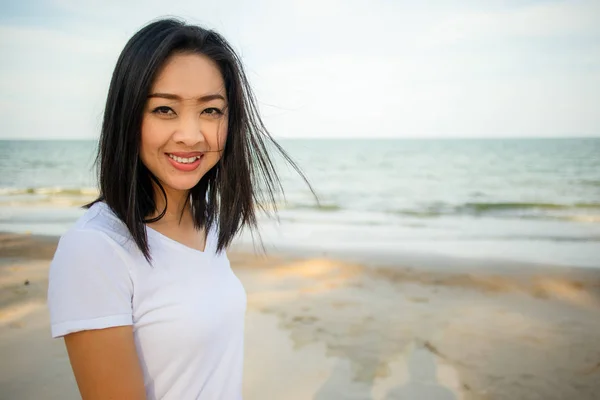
<point>332,328</point>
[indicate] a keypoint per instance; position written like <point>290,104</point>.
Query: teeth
<point>184,160</point>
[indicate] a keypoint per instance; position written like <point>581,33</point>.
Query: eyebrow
<point>170,96</point>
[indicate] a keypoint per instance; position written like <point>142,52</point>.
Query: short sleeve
<point>89,284</point>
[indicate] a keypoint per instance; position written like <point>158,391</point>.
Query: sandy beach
<point>332,327</point>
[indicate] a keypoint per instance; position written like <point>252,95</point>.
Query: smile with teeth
<point>184,160</point>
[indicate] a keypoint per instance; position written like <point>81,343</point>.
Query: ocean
<point>533,200</point>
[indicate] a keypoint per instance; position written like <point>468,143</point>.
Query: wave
<point>316,207</point>
<point>47,197</point>
<point>590,182</point>
<point>55,191</point>
<point>488,207</point>
<point>580,218</point>
<point>577,212</point>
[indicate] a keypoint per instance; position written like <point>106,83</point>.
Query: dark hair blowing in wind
<point>228,195</point>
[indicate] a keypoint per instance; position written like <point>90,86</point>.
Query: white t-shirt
<point>187,308</point>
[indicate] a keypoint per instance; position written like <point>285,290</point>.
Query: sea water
<point>524,199</point>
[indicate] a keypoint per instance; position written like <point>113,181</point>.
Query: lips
<point>184,159</point>
<point>185,162</point>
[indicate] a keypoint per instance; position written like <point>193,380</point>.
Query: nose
<point>189,131</point>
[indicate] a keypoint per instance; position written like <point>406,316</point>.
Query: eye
<point>163,110</point>
<point>213,112</point>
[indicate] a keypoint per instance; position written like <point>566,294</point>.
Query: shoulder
<point>99,233</point>
<point>100,219</point>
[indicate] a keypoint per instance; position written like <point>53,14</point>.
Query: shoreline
<point>436,262</point>
<point>336,326</point>
<point>473,240</point>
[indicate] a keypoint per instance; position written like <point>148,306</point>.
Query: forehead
<point>188,76</point>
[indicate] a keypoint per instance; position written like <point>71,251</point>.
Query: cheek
<point>151,140</point>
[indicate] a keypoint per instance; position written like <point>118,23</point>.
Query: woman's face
<point>184,126</point>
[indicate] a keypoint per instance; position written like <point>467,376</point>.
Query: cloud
<point>343,97</point>
<point>334,68</point>
<point>53,82</point>
<point>546,20</point>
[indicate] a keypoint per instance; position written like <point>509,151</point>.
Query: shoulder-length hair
<point>228,195</point>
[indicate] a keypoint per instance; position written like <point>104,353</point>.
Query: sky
<point>327,68</point>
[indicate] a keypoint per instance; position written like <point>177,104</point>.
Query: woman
<point>141,288</point>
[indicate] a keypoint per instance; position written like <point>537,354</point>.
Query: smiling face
<point>184,126</point>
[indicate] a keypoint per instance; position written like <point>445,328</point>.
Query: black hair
<point>229,194</point>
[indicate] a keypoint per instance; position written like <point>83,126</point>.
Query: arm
<point>90,292</point>
<point>105,364</point>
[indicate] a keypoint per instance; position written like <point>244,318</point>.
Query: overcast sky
<point>327,68</point>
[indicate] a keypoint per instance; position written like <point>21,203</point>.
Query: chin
<point>182,184</point>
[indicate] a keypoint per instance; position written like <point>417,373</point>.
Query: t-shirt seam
<point>127,315</point>
<point>91,217</point>
<point>103,209</point>
<point>178,247</point>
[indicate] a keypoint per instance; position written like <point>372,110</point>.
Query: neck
<point>177,207</point>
